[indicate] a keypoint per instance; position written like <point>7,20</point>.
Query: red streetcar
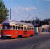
<point>14,29</point>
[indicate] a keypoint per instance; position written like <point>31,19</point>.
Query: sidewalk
<point>44,33</point>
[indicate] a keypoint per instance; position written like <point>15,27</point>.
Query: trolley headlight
<point>16,32</point>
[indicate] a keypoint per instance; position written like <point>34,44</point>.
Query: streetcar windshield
<point>6,27</point>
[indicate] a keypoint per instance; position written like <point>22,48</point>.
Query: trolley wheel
<point>31,35</point>
<point>20,36</point>
<point>9,37</point>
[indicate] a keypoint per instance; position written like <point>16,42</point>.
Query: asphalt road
<point>35,42</point>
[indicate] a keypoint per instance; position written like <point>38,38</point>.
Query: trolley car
<point>14,29</point>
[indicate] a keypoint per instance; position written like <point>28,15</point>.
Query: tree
<point>3,12</point>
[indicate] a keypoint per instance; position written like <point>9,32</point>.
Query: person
<point>43,30</point>
<point>47,30</point>
<point>5,27</point>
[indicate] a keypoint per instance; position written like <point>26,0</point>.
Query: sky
<point>28,9</point>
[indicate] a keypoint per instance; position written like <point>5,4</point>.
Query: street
<point>35,42</point>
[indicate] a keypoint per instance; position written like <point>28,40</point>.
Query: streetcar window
<point>3,27</point>
<point>21,28</point>
<point>16,27</point>
<point>27,28</point>
<point>13,27</point>
<point>30,28</point>
<point>24,28</point>
<point>6,27</point>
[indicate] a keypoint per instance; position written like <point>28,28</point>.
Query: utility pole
<point>10,14</point>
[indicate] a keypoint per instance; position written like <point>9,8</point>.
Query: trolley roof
<point>16,22</point>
